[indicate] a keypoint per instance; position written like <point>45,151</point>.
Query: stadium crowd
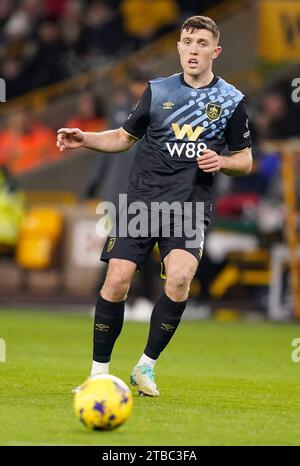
<point>45,41</point>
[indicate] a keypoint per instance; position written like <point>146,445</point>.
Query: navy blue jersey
<point>175,123</point>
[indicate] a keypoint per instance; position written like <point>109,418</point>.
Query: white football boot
<point>142,377</point>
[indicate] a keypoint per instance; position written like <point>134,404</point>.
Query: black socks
<point>109,317</point>
<point>164,321</point>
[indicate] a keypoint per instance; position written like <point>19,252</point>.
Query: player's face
<point>197,50</point>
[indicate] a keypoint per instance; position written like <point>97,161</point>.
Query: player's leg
<point>109,313</point>
<point>180,268</point>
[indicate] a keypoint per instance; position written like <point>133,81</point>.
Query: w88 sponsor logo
<point>186,149</point>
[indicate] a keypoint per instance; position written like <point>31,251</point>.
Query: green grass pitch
<point>220,383</point>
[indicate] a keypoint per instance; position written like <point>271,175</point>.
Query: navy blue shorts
<point>138,249</point>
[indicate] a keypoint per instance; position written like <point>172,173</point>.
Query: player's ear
<point>217,52</point>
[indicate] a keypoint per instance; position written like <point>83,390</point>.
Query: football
<point>103,402</point>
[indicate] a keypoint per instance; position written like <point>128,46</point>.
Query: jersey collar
<point>211,84</point>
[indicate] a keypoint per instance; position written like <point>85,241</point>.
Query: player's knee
<point>115,287</point>
<point>178,282</point>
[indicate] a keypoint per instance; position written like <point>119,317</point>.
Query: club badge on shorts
<point>110,244</point>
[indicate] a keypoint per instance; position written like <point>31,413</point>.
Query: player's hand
<point>210,161</point>
<point>69,138</point>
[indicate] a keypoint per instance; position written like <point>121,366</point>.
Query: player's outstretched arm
<point>116,140</point>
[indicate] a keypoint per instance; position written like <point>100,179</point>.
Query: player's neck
<point>200,80</point>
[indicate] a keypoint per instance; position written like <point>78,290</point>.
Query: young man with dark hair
<point>184,121</point>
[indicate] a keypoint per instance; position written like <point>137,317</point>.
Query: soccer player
<point>184,121</point>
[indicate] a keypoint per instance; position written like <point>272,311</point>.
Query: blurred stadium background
<point>84,64</point>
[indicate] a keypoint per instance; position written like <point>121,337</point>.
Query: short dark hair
<point>201,22</point>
